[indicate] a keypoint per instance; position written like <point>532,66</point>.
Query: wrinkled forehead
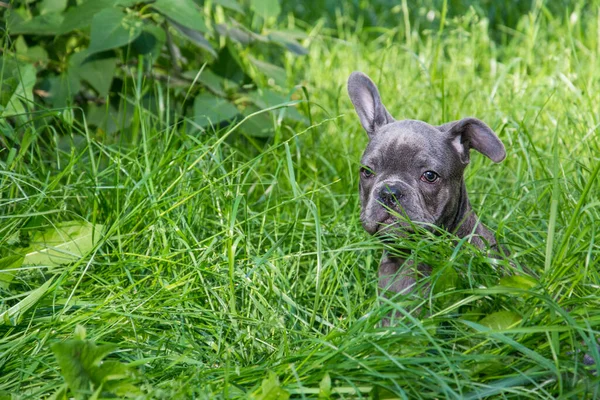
<point>408,140</point>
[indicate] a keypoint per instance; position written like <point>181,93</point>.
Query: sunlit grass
<point>220,263</point>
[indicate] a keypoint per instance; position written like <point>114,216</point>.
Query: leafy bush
<point>96,55</point>
<point>214,273</point>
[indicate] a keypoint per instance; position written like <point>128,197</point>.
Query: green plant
<point>230,267</point>
<point>87,374</point>
<point>220,60</point>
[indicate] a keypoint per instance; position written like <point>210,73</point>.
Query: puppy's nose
<point>390,195</point>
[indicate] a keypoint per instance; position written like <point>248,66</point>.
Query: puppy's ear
<point>471,133</point>
<point>367,102</point>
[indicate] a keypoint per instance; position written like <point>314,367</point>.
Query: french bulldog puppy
<point>412,174</point>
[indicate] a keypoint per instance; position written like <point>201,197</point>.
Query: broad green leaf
<point>17,88</point>
<point>52,6</point>
<point>231,4</point>
<point>111,370</point>
<point>111,29</point>
<point>8,85</point>
<point>262,124</point>
<point>108,119</point>
<point>381,393</point>
<point>325,387</point>
<point>489,367</point>
<point>499,336</point>
<point>259,125</point>
<point>209,80</point>
<point>241,36</point>
<point>79,361</point>
<point>5,395</point>
<point>288,41</point>
<point>229,65</point>
<point>271,71</point>
<point>84,369</point>
<point>150,41</point>
<point>519,281</point>
<point>13,238</point>
<point>265,98</point>
<point>184,12</point>
<point>266,8</point>
<point>61,89</point>
<point>270,389</point>
<point>81,15</point>
<point>196,37</point>
<point>500,320</point>
<point>13,315</point>
<point>210,110</point>
<point>34,54</point>
<point>215,83</point>
<point>80,332</point>
<point>123,389</point>
<point>11,263</point>
<point>60,394</point>
<point>20,45</point>
<point>62,244</point>
<point>97,70</point>
<point>37,55</point>
<point>445,279</point>
<point>46,24</point>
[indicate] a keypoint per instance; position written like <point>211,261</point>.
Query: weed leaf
<point>8,266</point>
<point>500,320</point>
<point>270,389</point>
<point>210,110</point>
<point>111,29</point>
<point>62,244</point>
<point>184,12</point>
<point>97,70</point>
<point>46,24</point>
<point>230,4</point>
<point>81,366</point>
<point>17,88</point>
<point>325,387</point>
<point>195,36</point>
<point>13,315</point>
<point>518,282</point>
<point>266,8</point>
<point>82,15</point>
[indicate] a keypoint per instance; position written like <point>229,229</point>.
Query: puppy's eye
<point>366,172</point>
<point>429,176</point>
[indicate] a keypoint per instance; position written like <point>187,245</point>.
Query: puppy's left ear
<point>471,133</point>
<point>367,103</point>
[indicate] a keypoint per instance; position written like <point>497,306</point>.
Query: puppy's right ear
<point>367,102</point>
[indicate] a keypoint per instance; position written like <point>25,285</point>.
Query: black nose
<point>390,195</point>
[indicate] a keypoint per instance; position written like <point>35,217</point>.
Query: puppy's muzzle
<point>390,195</point>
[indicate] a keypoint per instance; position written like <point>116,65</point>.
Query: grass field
<point>232,267</point>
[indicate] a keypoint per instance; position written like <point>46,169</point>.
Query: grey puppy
<point>415,170</point>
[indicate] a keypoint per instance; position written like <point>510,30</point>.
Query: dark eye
<point>429,176</point>
<point>366,172</point>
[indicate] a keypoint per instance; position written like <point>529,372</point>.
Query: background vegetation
<point>178,208</point>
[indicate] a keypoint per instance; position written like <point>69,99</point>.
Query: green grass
<point>224,259</point>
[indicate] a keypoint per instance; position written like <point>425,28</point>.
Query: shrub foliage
<point>221,61</point>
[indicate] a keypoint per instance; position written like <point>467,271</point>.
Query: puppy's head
<point>412,170</point>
